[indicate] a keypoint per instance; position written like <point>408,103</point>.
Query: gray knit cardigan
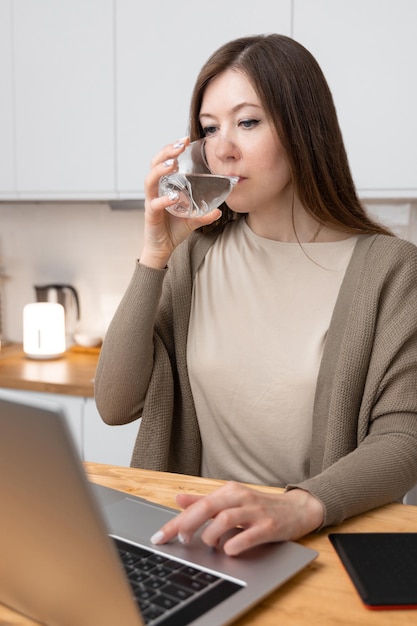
<point>364,441</point>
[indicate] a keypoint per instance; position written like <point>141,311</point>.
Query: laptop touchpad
<point>139,520</point>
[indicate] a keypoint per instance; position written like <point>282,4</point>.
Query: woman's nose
<point>222,148</point>
<point>226,149</point>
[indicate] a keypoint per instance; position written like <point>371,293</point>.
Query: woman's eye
<point>249,123</point>
<point>209,130</point>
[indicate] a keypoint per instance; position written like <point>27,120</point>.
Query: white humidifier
<point>44,330</point>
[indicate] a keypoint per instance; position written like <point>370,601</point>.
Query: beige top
<point>254,398</point>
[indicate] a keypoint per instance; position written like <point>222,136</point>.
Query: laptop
<point>74,553</point>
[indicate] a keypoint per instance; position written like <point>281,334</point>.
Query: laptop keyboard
<point>168,591</point>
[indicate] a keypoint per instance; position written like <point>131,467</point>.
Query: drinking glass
<point>207,172</point>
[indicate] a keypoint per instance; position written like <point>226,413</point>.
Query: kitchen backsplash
<point>95,249</point>
<point>86,245</point>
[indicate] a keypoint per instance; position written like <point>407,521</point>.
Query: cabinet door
<point>64,74</point>
<point>7,160</point>
<point>112,445</point>
<point>368,52</point>
<point>160,51</point>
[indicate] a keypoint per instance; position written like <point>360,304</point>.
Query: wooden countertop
<point>72,374</point>
<point>322,594</point>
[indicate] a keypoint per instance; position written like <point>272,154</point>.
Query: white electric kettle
<point>68,297</point>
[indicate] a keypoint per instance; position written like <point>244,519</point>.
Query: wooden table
<point>321,595</point>
<point>71,374</point>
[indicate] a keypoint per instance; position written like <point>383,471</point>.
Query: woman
<point>274,340</point>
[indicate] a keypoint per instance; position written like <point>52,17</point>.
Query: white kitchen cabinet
<point>368,50</point>
<point>64,98</point>
<point>72,407</point>
<point>7,155</point>
<point>160,51</point>
<point>112,445</point>
<point>92,89</point>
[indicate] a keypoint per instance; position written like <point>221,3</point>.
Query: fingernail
<point>158,537</point>
<point>173,195</point>
<point>168,162</point>
<point>180,142</point>
<point>182,539</point>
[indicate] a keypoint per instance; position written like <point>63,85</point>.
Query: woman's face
<point>231,107</point>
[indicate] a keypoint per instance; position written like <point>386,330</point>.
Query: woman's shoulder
<point>383,257</point>
<point>193,250</point>
<point>388,248</point>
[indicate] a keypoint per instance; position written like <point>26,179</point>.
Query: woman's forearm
<point>126,358</point>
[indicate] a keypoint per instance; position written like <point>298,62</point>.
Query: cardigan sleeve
<point>142,370</point>
<point>126,358</point>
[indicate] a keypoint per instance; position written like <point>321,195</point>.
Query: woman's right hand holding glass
<point>163,231</point>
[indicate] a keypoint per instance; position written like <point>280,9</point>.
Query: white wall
<point>94,248</point>
<point>86,245</point>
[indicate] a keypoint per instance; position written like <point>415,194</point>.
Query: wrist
<point>313,513</point>
<point>155,261</point>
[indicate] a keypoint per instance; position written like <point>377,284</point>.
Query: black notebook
<point>382,566</point>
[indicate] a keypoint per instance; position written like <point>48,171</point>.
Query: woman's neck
<point>283,226</point>
<point>292,223</point>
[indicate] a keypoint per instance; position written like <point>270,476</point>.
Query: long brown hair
<point>298,101</point>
